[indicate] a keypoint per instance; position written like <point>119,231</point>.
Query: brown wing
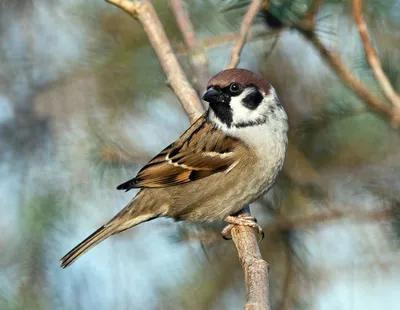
<point>200,152</point>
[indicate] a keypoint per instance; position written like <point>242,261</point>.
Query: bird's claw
<point>243,220</point>
<point>226,232</point>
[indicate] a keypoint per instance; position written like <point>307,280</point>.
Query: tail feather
<point>99,235</point>
<point>130,216</point>
<point>128,185</point>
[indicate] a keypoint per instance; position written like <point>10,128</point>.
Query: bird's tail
<point>99,235</point>
<point>124,220</point>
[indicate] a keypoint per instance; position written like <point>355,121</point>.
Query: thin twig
<point>338,66</point>
<point>374,60</point>
<point>197,55</point>
<point>144,12</point>
<point>244,29</point>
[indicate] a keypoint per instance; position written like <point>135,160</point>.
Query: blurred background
<point>84,104</point>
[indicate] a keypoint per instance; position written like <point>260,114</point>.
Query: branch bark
<point>244,29</point>
<point>144,12</point>
<point>254,267</point>
<point>374,61</point>
<point>197,55</point>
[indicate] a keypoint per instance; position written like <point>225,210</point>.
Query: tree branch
<point>374,61</point>
<point>144,12</point>
<point>350,79</point>
<point>197,55</point>
<point>254,267</point>
<point>244,29</point>
<point>334,61</point>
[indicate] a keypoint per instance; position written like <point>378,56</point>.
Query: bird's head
<point>241,98</point>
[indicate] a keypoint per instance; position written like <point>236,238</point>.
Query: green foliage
<point>120,54</point>
<point>346,126</point>
<point>289,12</point>
<point>42,213</point>
<point>129,74</point>
<point>39,221</point>
<point>109,153</point>
<point>378,7</point>
<point>396,229</point>
<point>395,222</point>
<point>24,302</point>
<point>345,129</point>
<point>292,11</point>
<point>390,65</point>
<point>222,16</point>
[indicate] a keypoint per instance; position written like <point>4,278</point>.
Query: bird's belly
<point>221,203</point>
<point>260,183</point>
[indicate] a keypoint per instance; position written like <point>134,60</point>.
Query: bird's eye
<point>234,87</point>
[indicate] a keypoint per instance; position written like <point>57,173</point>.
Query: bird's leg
<point>241,219</point>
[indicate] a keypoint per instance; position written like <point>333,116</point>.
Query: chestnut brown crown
<point>242,76</point>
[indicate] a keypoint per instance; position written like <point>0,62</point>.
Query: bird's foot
<point>243,220</point>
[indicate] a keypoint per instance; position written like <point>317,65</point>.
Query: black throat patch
<point>223,110</point>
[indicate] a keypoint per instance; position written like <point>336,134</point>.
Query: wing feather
<point>200,152</point>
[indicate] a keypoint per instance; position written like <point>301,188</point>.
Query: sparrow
<point>228,158</point>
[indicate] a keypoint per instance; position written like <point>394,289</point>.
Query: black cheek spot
<point>253,100</point>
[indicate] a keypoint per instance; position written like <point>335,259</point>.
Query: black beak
<point>212,95</point>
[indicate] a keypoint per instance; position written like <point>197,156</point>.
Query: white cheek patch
<point>242,114</point>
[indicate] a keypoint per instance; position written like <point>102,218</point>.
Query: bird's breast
<point>269,149</point>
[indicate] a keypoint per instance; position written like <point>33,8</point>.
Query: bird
<point>230,156</point>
